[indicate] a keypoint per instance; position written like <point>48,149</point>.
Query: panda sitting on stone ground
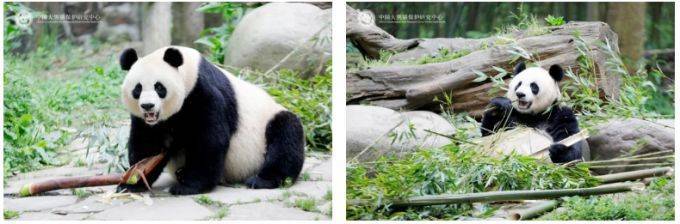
<point>532,100</point>
<point>214,127</point>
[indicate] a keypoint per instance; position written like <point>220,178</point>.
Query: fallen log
<point>414,86</point>
<point>369,38</point>
<point>138,171</point>
<point>507,195</point>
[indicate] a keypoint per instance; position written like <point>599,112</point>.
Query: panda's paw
<point>256,182</point>
<point>500,105</point>
<point>558,148</point>
<point>181,189</point>
<point>558,153</point>
<point>130,188</point>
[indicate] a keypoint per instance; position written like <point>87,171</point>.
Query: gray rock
<point>230,195</point>
<point>322,171</point>
<point>88,206</point>
<point>618,138</point>
<point>267,34</point>
<point>38,203</point>
<point>388,132</point>
<point>314,189</point>
<point>165,208</point>
<point>50,216</point>
<point>269,211</point>
<point>119,23</point>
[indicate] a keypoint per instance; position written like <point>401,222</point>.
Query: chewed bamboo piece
<point>525,141</point>
<point>138,171</point>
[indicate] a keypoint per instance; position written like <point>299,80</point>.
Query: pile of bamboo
<point>610,183</point>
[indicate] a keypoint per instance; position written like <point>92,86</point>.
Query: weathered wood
<point>411,86</point>
<point>369,38</point>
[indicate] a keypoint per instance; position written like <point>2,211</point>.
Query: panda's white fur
<point>548,93</point>
<point>245,155</point>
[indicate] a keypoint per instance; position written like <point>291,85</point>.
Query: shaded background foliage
<point>482,19</point>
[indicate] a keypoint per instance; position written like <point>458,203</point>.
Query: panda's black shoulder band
<point>173,57</point>
<point>127,59</point>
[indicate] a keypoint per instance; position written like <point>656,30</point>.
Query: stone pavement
<point>308,199</point>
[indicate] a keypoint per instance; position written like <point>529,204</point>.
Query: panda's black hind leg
<point>285,152</point>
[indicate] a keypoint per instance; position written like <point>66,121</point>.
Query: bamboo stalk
<point>631,165</point>
<point>507,195</point>
<point>138,171</point>
<point>646,159</point>
<point>71,182</point>
<point>533,211</point>
<point>634,175</point>
<point>648,154</point>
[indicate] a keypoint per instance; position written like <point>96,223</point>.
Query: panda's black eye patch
<point>137,91</point>
<point>518,85</point>
<point>534,88</point>
<point>160,90</point>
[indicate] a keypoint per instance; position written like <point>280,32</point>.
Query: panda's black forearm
<point>563,124</point>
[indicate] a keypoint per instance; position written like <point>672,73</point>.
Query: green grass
<point>81,192</point>
<point>52,95</point>
<point>654,203</point>
<point>306,204</point>
<point>221,213</point>
<point>205,200</point>
<point>9,214</point>
<point>443,54</point>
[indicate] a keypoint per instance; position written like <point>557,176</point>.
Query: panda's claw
<point>180,189</point>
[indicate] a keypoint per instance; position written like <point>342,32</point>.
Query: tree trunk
<point>188,23</point>
<point>157,23</point>
<point>593,11</point>
<point>628,21</point>
<point>409,86</point>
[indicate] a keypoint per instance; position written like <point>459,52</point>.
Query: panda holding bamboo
<point>532,100</point>
<point>214,127</point>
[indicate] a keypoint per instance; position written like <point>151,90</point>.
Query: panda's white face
<point>153,91</point>
<point>533,90</point>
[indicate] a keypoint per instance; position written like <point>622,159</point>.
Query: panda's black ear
<point>520,67</point>
<point>173,57</point>
<point>556,72</point>
<point>127,59</point>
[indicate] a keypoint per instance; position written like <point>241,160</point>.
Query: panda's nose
<point>147,106</point>
<point>520,95</point>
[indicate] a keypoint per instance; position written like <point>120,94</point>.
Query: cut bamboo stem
<point>648,154</point>
<point>508,195</point>
<point>631,165</point>
<point>634,175</point>
<point>533,211</point>
<point>646,159</point>
<point>138,171</point>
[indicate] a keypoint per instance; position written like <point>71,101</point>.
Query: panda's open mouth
<point>151,117</point>
<point>523,104</point>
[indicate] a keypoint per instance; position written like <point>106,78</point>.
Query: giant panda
<point>214,127</point>
<point>532,100</point>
